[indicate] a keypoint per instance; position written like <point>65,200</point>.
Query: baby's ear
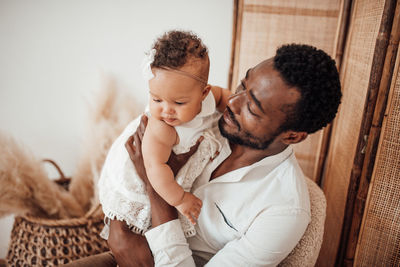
<point>206,90</point>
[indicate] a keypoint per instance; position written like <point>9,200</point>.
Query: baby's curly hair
<point>314,74</point>
<point>176,48</point>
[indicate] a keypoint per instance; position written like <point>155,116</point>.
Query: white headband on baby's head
<point>148,74</point>
<point>148,59</point>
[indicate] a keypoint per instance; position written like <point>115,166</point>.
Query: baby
<point>177,90</point>
<point>181,110</point>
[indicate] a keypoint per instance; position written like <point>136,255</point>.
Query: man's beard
<point>248,139</point>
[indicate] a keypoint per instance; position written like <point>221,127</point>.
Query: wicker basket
<point>48,242</point>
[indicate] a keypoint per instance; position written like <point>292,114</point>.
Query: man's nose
<point>235,102</point>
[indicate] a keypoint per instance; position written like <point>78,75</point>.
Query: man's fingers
<point>138,143</point>
<point>133,145</point>
<point>129,146</point>
<point>142,126</point>
<point>194,148</point>
<point>201,138</point>
<point>143,120</point>
<point>129,141</point>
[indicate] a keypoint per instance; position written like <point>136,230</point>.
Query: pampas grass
<point>26,189</point>
<point>112,111</point>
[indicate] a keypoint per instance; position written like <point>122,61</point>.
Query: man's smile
<point>229,118</point>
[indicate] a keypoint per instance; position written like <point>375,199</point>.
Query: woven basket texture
<point>50,242</point>
<point>41,242</point>
<point>264,25</point>
<point>379,242</point>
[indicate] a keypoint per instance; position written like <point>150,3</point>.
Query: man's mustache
<point>232,117</point>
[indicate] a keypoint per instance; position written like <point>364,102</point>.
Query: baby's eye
<point>180,103</point>
<point>156,100</point>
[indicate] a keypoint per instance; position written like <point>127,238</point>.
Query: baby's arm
<point>221,96</point>
<point>158,140</point>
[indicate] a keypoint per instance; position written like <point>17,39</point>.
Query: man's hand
<point>134,147</point>
<point>128,248</point>
<point>176,162</point>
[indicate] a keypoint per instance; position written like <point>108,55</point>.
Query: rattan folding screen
<point>363,28</point>
<point>379,242</point>
<point>355,72</point>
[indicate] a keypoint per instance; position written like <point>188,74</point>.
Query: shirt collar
<point>268,164</point>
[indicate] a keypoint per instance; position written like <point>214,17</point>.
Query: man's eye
<point>251,112</point>
<point>156,100</point>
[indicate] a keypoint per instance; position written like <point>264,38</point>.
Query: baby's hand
<point>190,207</point>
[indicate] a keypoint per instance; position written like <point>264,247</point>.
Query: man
<point>255,199</point>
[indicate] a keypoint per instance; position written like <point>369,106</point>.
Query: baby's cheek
<point>188,115</point>
<point>155,111</point>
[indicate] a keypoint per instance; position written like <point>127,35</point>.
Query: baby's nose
<point>168,109</point>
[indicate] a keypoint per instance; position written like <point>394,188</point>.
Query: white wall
<point>52,54</point>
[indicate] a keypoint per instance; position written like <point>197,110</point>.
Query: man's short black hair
<point>313,72</point>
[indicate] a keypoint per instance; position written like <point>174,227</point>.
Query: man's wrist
<point>161,211</point>
<point>155,198</point>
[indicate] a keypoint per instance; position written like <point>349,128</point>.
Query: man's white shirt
<point>252,216</point>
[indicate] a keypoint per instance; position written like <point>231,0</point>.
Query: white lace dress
<point>121,191</point>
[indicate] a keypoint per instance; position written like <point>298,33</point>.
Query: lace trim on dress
<point>127,200</point>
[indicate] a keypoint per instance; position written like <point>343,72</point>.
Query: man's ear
<point>291,137</point>
<point>205,91</point>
